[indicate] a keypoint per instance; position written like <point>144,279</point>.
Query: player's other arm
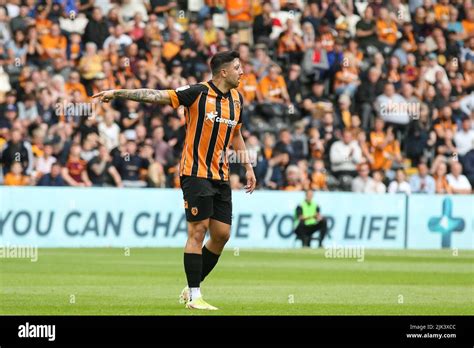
<point>144,95</point>
<point>238,144</point>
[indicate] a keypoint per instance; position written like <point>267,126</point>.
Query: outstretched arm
<point>144,95</point>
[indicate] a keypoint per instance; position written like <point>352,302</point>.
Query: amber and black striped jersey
<point>211,119</point>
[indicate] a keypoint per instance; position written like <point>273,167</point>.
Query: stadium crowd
<point>363,96</point>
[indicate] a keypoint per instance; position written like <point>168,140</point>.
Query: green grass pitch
<point>104,281</point>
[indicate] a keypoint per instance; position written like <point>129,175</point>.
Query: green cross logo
<point>446,223</point>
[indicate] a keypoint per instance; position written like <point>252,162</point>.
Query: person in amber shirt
<point>441,182</point>
<point>248,86</point>
<point>290,44</point>
<point>54,44</point>
<point>42,23</point>
<point>377,143</point>
<point>441,9</point>
<point>273,87</point>
<point>90,66</point>
<point>468,24</point>
<point>74,83</point>
<point>386,28</point>
<point>238,12</point>
<point>391,152</point>
<point>15,177</point>
<point>319,176</point>
<point>172,47</point>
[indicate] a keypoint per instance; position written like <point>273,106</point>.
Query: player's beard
<point>237,83</point>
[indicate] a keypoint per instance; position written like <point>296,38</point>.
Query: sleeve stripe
<point>174,98</point>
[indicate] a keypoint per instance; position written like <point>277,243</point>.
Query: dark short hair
<point>222,58</point>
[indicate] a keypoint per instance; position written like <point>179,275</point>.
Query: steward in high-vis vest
<point>309,220</point>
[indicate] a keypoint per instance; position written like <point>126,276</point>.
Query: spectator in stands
<point>347,80</point>
<point>131,167</point>
<point>97,29</point>
<point>316,61</point>
<point>369,89</point>
<point>274,95</point>
<point>285,145</point>
<point>53,178</point>
<point>441,182</point>
<point>275,173</point>
<point>100,170</point>
<point>263,24</point>
<point>378,179</point>
<point>17,150</point>
<point>422,182</point>
<point>457,181</point>
<point>319,176</point>
<point>43,164</point>
<point>15,176</point>
<point>54,44</point>
<point>290,44</point>
<point>363,183</point>
<point>399,185</point>
<point>293,179</point>
<point>345,155</point>
<point>468,164</point>
<point>74,172</point>
<point>300,142</point>
<point>390,106</point>
<point>464,137</point>
<point>366,31</point>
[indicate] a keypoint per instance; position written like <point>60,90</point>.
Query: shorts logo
<point>194,211</point>
<point>185,204</point>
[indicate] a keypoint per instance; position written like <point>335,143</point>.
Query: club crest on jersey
<point>237,104</point>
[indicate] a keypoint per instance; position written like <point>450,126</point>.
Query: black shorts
<point>206,198</point>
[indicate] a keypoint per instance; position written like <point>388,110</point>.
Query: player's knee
<point>222,238</point>
<point>197,232</point>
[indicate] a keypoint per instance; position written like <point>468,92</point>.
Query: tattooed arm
<point>140,95</point>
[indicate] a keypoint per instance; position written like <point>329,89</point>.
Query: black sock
<point>193,269</point>
<point>209,261</point>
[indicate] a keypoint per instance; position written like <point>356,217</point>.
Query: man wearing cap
<point>433,69</point>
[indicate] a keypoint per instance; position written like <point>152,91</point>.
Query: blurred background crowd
<point>363,96</point>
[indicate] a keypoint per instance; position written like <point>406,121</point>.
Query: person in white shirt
<point>464,137</point>
<point>363,183</point>
<point>379,185</point>
<point>391,106</point>
<point>109,131</point>
<point>119,38</point>
<point>345,154</point>
<point>433,69</point>
<point>43,164</point>
<point>457,180</point>
<point>399,185</point>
